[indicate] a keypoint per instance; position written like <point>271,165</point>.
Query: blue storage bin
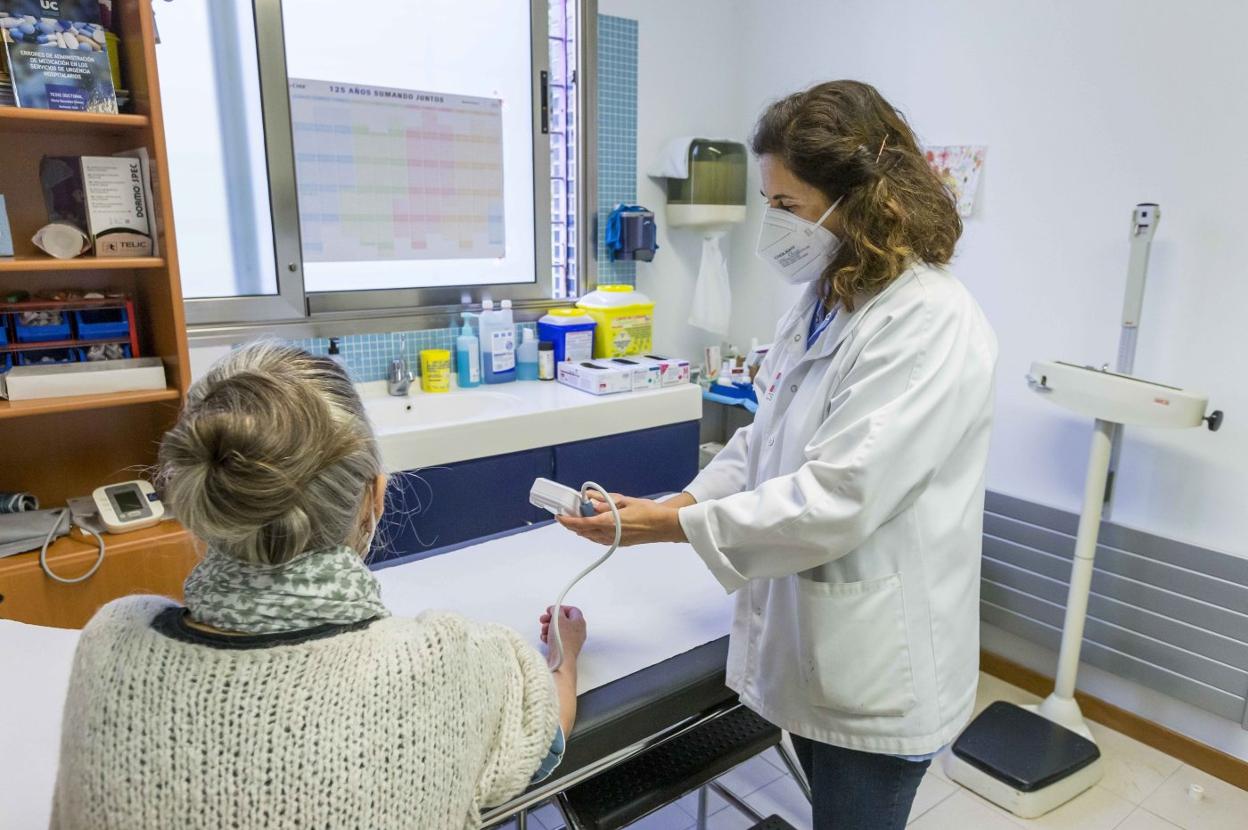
<point>41,357</point>
<point>572,332</point>
<point>4,329</point>
<point>39,334</point>
<point>6,363</point>
<point>102,324</point>
<point>83,358</point>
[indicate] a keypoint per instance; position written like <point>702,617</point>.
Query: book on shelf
<point>57,56</point>
<point>6,233</point>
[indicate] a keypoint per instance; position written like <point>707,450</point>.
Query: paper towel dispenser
<point>713,194</point>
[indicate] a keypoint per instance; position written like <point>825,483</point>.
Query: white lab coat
<point>848,520</point>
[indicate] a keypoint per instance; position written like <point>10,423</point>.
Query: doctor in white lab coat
<point>847,518</point>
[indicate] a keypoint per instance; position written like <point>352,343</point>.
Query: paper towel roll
<point>712,294</point>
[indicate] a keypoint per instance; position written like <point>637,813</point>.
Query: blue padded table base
<point>628,791</point>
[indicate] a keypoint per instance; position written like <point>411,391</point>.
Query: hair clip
<point>881,152</point>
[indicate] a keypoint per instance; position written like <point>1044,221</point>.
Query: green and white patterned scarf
<point>319,587</point>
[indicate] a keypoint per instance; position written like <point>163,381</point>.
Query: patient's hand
<point>572,630</point>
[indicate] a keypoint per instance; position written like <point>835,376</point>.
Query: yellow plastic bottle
<point>435,370</point>
<point>624,318</point>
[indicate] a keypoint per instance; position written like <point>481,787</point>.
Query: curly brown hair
<point>843,138</point>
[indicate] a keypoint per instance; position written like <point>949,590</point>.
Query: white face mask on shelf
<point>798,250</point>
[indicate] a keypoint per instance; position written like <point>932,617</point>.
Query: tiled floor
<point>1143,789</point>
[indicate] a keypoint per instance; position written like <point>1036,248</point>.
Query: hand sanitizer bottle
<point>467,356</point>
<point>498,344</point>
<point>526,357</point>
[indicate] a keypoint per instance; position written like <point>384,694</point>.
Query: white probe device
<point>561,500</point>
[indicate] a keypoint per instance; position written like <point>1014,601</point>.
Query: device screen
<point>128,501</point>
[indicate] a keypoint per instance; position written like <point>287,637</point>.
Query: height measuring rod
<point>1144,221</point>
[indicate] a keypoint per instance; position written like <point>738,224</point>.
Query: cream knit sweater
<point>398,723</point>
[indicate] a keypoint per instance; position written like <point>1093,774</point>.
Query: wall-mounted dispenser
<point>711,194</point>
<point>705,187</point>
<point>631,234</point>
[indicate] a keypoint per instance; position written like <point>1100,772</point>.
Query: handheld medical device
<point>561,500</point>
<point>1031,759</point>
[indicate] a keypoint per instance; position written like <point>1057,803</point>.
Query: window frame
<point>294,309</point>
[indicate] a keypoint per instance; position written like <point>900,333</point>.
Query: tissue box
<point>23,383</point>
<point>596,378</point>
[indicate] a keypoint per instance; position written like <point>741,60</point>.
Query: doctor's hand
<point>642,521</point>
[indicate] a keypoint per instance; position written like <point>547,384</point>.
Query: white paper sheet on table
<point>34,674</point>
<point>646,604</point>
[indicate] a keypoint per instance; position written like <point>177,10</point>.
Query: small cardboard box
<point>646,373</point>
<point>24,383</point>
<point>596,378</point>
<point>672,370</point>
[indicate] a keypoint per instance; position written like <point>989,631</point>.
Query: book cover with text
<point>57,55</point>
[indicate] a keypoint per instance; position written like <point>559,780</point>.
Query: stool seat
<point>621,795</point>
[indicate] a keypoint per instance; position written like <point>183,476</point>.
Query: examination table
<point>650,679</point>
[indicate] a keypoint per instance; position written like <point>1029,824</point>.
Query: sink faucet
<point>399,378</point>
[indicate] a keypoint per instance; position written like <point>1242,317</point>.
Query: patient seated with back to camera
<point>284,682</point>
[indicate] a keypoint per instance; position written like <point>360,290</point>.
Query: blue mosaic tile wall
<point>617,133</point>
<point>367,356</point>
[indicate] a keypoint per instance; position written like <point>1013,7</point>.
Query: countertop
<point>425,429</point>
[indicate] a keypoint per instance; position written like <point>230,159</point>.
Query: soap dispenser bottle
<point>498,344</point>
<point>526,356</point>
<point>467,356</point>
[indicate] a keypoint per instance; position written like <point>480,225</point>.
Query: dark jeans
<point>858,790</point>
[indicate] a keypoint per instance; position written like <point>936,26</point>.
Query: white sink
<point>392,414</point>
<point>427,429</point>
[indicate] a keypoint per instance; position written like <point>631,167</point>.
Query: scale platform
<point>1022,761</point>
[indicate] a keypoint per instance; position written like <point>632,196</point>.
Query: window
<point>310,181</point>
<point>564,92</point>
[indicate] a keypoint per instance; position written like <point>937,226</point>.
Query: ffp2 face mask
<point>796,249</point>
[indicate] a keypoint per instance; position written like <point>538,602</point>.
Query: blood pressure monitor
<point>129,506</point>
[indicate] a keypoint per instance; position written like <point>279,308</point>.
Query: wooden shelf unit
<point>150,561</point>
<point>18,120</point>
<point>40,263</point>
<point>63,447</point>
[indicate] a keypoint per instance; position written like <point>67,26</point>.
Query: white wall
<point>688,83</point>
<point>1087,109</point>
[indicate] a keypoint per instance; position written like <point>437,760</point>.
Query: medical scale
<point>1032,759</point>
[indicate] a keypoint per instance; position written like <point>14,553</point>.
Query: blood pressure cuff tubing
<point>20,532</point>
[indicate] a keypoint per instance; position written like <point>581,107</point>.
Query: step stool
<point>660,775</point>
<point>773,823</point>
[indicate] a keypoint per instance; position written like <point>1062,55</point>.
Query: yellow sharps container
<point>624,318</point>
